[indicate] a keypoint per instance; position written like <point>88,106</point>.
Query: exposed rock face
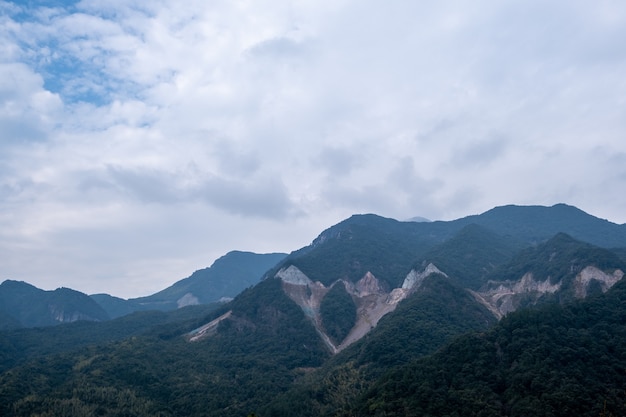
<point>371,300</point>
<point>187,300</point>
<point>208,329</point>
<point>368,285</point>
<point>591,273</point>
<point>415,279</point>
<point>60,315</point>
<point>504,297</point>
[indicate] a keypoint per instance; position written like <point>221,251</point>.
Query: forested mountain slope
<point>552,361</point>
<point>475,307</point>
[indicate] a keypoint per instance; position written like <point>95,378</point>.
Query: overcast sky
<point>141,140</point>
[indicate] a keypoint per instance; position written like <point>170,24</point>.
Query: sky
<point>141,140</point>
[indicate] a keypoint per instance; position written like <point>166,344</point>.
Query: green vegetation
<point>21,345</point>
<point>555,361</point>
<point>260,351</point>
<point>385,247</point>
<point>561,257</point>
<point>440,353</point>
<point>436,314</point>
<point>471,255</point>
<point>29,306</point>
<point>338,313</point>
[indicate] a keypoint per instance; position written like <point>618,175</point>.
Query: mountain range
<point>517,311</point>
<point>23,305</point>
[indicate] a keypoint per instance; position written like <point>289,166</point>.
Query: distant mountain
<point>535,224</point>
<point>225,278</point>
<point>24,305</point>
<point>418,219</point>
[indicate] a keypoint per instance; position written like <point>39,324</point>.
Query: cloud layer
<point>141,140</point>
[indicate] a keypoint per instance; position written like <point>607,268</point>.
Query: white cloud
<point>166,134</point>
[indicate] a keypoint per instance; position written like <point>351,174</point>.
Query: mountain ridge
<point>276,348</point>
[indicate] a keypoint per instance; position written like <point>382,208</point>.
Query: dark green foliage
<point>338,313</point>
<point>555,361</point>
<point>258,352</point>
<point>621,252</point>
<point>388,248</point>
<point>560,258</point>
<point>437,313</point>
<point>385,247</point>
<point>19,345</point>
<point>471,255</point>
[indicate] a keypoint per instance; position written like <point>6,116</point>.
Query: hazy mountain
<point>28,306</point>
<point>225,278</point>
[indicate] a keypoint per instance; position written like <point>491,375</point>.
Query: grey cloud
<point>337,161</point>
<point>405,177</point>
<point>151,186</point>
<point>434,132</point>
<point>235,161</point>
<point>278,48</point>
<point>20,130</point>
<point>479,153</point>
<point>264,199</point>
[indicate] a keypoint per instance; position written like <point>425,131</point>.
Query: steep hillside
<point>389,249</point>
<point>363,243</point>
<point>555,361</point>
<point>437,312</point>
<point>558,270</point>
<point>28,306</point>
<point>471,255</point>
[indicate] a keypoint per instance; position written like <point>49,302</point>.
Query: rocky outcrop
<point>208,329</point>
<point>371,300</point>
<point>590,274</point>
<point>504,297</point>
